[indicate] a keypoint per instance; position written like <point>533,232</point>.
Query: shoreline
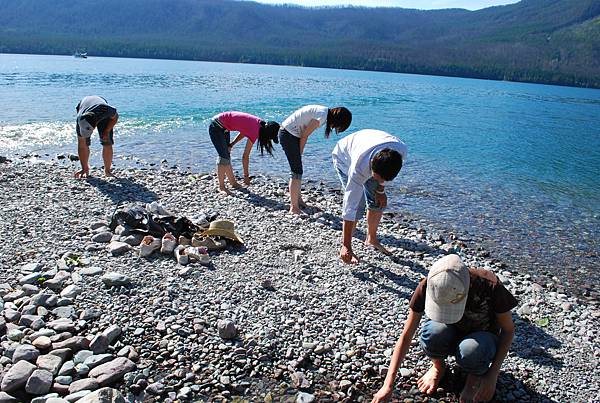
<point>325,330</point>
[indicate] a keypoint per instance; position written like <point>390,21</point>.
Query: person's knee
<point>223,161</point>
<point>474,356</point>
<point>437,339</point>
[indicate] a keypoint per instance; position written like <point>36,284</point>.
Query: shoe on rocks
<point>181,255</point>
<point>184,241</point>
<point>208,242</point>
<point>198,254</point>
<point>149,245</point>
<point>168,244</point>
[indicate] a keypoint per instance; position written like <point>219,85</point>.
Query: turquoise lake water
<point>516,166</point>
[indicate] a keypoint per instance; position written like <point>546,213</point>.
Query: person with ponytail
<point>253,128</point>
<point>293,136</point>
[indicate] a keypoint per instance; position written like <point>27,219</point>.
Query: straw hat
<point>224,228</point>
<point>447,290</point>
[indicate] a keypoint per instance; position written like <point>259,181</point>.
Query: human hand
<point>82,174</point>
<point>487,387</point>
<point>381,199</point>
<point>383,395</point>
<point>347,255</point>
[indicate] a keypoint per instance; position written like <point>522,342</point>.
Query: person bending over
<point>366,161</point>
<point>293,136</point>
<point>249,126</point>
<point>95,112</point>
<point>469,313</point>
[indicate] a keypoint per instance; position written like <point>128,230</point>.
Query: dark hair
<point>266,135</point>
<point>338,117</point>
<point>387,163</point>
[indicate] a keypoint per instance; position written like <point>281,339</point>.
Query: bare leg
<point>373,220</point>
<point>83,150</point>
<point>295,187</point>
<point>231,177</point>
<point>107,156</point>
<point>429,382</point>
<point>221,178</point>
<point>471,387</point>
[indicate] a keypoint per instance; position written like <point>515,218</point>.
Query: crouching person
<point>469,313</point>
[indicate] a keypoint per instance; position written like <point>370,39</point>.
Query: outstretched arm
<point>236,140</point>
<point>246,161</point>
<point>402,346</point>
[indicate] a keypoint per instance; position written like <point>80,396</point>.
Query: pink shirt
<point>248,125</point>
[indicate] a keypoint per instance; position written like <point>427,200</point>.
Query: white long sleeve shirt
<point>352,155</point>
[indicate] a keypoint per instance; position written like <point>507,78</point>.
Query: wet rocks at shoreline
<point>298,324</point>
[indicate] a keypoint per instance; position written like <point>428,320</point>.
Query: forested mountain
<point>546,41</point>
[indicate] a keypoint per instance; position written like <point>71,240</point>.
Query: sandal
<point>198,254</point>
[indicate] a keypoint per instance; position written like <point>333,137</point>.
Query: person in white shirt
<point>294,133</point>
<point>366,161</point>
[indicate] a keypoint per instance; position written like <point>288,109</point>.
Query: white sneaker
<point>181,255</point>
<point>168,244</point>
<point>149,245</point>
<point>199,255</point>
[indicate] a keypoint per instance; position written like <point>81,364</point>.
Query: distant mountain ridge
<point>544,41</point>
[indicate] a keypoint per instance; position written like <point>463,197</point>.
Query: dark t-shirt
<point>487,297</point>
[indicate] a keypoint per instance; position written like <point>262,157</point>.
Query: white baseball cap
<point>447,290</point>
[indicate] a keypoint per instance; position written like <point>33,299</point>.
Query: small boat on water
<point>80,55</point>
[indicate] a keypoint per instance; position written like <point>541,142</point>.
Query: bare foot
<point>429,382</point>
<point>225,191</point>
<point>375,244</point>
<point>236,186</point>
<point>302,204</point>
<point>295,211</point>
<point>109,174</point>
<point>471,387</point>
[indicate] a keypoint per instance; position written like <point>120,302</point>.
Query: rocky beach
<point>279,318</point>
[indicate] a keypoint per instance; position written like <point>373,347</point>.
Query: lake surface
<point>516,166</point>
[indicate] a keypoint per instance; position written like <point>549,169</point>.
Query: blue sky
<point>421,4</point>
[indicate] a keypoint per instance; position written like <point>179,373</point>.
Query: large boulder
<point>17,376</point>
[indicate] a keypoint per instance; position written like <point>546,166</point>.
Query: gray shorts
<point>368,196</point>
<point>102,114</point>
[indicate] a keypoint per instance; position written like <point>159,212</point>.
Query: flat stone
<point>99,344</point>
<point>77,396</point>
<point>15,334</point>
<point>112,371</point>
<point>83,384</point>
<point>90,313</point>
<point>17,376</point>
<point>31,267</point>
<point>44,398</point>
<point>49,362</point>
<point>117,248</point>
<point>44,299</point>
<point>68,368</point>
<point>91,271</point>
<point>133,239</point>
<point>39,383</point>
<point>112,333</point>
<point>63,353</point>
<point>62,325</point>
<point>64,379</point>
<point>6,398</point>
<point>114,279</point>
<point>71,291</point>
<point>102,237</point>
<point>303,397</point>
<point>67,312</point>
<point>25,352</point>
<point>96,360</point>
<point>42,343</point>
<point>31,278</point>
<point>104,395</point>
<point>81,356</point>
